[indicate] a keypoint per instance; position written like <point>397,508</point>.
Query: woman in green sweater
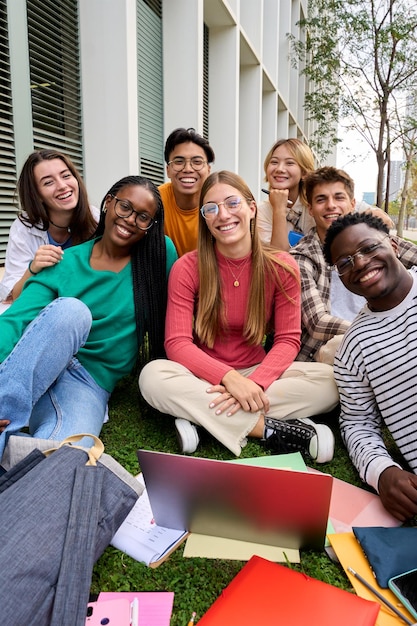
<point>78,326</point>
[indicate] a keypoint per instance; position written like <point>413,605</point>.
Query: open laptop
<point>266,505</point>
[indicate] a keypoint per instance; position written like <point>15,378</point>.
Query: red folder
<point>268,593</point>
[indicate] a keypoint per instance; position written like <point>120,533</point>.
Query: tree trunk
<point>387,181</point>
<point>404,198</point>
<point>380,178</point>
<point>382,149</point>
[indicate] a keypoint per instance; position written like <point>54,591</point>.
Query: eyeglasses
<point>179,162</point>
<point>124,209</point>
<point>211,209</point>
<point>368,251</point>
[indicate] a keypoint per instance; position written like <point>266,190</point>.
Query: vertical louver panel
<point>7,151</point>
<point>55,76</point>
<point>206,83</point>
<point>150,88</point>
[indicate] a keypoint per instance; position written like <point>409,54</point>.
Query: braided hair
<point>148,259</point>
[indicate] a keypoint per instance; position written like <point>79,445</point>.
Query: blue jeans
<point>42,383</point>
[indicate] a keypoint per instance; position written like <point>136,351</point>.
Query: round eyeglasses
<point>124,209</point>
<point>211,209</point>
<point>179,162</point>
<point>368,251</point>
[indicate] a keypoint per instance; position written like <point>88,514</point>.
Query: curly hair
<point>148,258</point>
<point>351,219</point>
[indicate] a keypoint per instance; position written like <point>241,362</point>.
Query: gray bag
<point>58,512</point>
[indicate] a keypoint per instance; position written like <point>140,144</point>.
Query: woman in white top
<point>285,212</point>
<point>55,214</point>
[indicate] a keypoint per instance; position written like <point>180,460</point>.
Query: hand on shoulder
<point>383,215</point>
<point>46,256</point>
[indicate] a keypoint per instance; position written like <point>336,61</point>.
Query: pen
<point>135,612</point>
<point>191,622</point>
<point>289,202</point>
<point>381,597</point>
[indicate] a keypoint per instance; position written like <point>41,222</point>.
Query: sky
<point>358,160</point>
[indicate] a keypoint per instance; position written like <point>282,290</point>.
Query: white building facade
<point>106,81</point>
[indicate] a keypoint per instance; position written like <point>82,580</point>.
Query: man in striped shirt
<point>376,364</point>
<point>327,308</point>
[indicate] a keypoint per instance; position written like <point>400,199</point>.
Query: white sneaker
<point>304,435</point>
<point>187,435</point>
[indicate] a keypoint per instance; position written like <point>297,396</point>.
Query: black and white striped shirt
<point>376,372</point>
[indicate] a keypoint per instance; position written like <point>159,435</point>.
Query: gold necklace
<point>230,264</point>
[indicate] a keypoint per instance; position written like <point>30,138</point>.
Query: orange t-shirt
<point>181,226</point>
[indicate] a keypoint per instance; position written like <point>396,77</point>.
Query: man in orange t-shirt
<point>188,158</point>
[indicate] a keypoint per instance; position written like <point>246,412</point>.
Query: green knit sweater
<point>111,348</point>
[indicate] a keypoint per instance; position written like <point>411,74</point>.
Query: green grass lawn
<point>196,582</point>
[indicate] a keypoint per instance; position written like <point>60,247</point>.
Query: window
<point>7,151</point>
<point>206,83</point>
<point>150,88</point>
<point>55,76</point>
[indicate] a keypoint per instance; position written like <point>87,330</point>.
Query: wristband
<point>31,270</point>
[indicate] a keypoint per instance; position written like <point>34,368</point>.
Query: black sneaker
<point>303,435</point>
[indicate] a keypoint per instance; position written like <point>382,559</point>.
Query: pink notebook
<point>155,607</point>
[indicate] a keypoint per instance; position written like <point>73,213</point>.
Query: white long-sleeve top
<point>376,372</point>
<point>21,247</point>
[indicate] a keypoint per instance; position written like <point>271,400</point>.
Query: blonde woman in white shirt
<point>283,218</point>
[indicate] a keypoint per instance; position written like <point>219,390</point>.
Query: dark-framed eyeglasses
<point>211,209</point>
<point>124,209</point>
<point>368,251</point>
<point>178,163</point>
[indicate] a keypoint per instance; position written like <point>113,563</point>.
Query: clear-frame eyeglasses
<point>124,209</point>
<point>178,163</point>
<point>211,209</point>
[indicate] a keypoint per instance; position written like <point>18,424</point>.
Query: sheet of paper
<point>350,554</point>
<point>354,506</point>
<point>292,461</point>
<point>209,547</point>
<point>155,607</point>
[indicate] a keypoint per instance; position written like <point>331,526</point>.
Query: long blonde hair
<point>210,315</point>
<point>301,154</point>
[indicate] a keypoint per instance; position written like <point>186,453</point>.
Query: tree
<point>360,58</point>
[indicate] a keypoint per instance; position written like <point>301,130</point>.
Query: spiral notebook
<point>144,540</point>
